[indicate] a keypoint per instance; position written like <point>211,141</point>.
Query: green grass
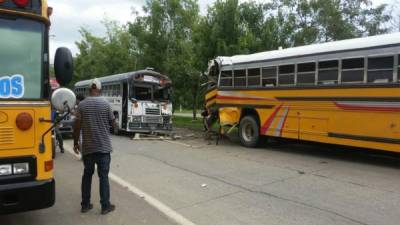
<point>186,111</point>
<point>187,122</point>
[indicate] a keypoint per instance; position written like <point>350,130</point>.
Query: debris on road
<point>156,136</point>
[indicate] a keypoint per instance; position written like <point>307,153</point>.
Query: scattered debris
<point>156,136</point>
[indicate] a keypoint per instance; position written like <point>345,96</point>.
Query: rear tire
<point>249,132</point>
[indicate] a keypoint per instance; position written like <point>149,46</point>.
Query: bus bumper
<point>26,196</point>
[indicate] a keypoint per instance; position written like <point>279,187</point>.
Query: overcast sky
<point>69,15</point>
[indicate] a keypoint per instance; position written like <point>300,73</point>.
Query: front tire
<point>249,132</point>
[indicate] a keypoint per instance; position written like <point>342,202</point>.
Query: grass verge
<point>187,122</point>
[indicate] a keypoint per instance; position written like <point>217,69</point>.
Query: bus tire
<point>249,132</point>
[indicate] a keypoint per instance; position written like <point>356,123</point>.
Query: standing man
<point>94,116</point>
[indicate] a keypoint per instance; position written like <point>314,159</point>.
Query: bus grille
<point>6,135</point>
<point>152,119</point>
<point>150,111</point>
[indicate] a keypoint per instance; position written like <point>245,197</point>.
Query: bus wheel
<point>249,132</point>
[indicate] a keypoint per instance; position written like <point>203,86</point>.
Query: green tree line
<point>172,36</point>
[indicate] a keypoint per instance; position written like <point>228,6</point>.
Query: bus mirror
<point>63,99</point>
<point>63,66</point>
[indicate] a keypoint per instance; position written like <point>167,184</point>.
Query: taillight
<point>2,1</point>
<point>24,121</point>
<point>21,3</point>
<point>48,166</point>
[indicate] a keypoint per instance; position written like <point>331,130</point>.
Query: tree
<point>174,39</point>
<point>164,37</point>
<point>115,53</point>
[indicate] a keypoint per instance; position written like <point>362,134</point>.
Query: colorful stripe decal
<point>369,106</point>
<point>271,118</point>
<point>279,127</point>
<point>236,98</point>
<point>232,95</point>
<point>284,122</point>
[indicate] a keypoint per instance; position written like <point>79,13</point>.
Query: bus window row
<point>362,70</point>
<point>81,91</point>
<point>107,90</point>
<point>113,90</point>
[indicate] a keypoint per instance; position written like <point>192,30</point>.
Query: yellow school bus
<point>26,165</point>
<point>344,92</point>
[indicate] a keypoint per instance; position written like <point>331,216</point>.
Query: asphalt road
<point>284,183</point>
<point>130,209</point>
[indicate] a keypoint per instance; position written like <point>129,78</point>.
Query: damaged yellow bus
<point>344,92</point>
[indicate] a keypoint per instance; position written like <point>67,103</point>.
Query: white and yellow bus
<point>140,100</point>
<point>344,92</point>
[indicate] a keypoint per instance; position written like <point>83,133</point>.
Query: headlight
<point>21,168</point>
<point>5,169</point>
<point>136,119</point>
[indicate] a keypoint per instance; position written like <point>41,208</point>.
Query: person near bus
<point>79,98</point>
<point>94,116</point>
<point>55,117</point>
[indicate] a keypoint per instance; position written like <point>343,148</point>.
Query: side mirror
<point>63,99</point>
<point>63,66</point>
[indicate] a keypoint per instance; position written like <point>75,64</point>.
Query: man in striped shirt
<point>94,117</point>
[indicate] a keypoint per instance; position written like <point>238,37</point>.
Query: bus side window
<point>306,74</point>
<point>269,76</point>
<point>328,72</point>
<point>115,90</point>
<point>286,75</point>
<point>398,68</point>
<point>353,70</point>
<point>226,78</point>
<point>239,78</point>
<point>253,77</point>
<point>104,91</point>
<point>119,90</point>
<point>380,70</point>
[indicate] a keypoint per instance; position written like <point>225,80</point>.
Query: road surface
<point>130,209</point>
<point>280,184</point>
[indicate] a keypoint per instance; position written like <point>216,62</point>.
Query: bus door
<point>125,95</point>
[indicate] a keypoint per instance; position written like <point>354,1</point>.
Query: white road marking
<point>172,214</point>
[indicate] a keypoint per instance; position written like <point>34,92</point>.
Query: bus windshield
<point>150,93</point>
<point>21,50</point>
<point>161,93</point>
<point>142,93</point>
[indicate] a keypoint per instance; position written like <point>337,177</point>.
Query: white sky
<point>69,15</point>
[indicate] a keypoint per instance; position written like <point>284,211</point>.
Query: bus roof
<point>386,40</point>
<point>122,77</point>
